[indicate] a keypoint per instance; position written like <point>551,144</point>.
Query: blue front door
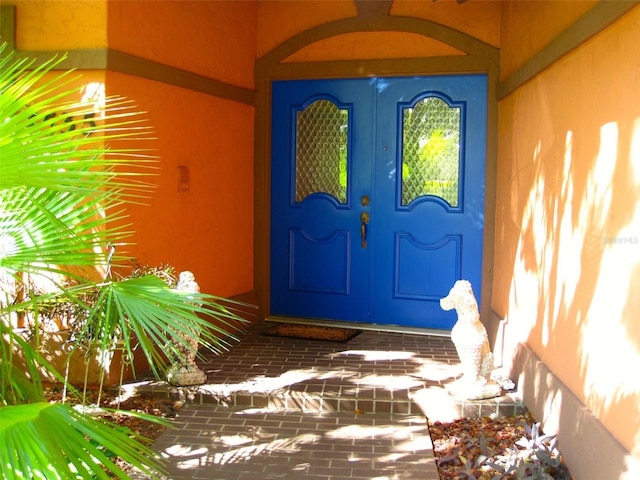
<point>377,197</point>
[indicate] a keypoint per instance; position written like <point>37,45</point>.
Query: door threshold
<point>360,326</point>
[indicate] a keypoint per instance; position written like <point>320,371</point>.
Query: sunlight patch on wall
<point>93,94</point>
<point>635,151</point>
<point>597,201</point>
<point>608,357</point>
<point>523,299</point>
<point>611,384</point>
<point>525,286</point>
<point>610,346</point>
<point>570,245</point>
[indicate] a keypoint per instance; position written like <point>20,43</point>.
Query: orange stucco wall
<point>215,39</point>
<point>542,20</point>
<point>568,215</point>
<point>480,19</point>
<point>68,25</point>
<point>51,26</point>
<point>208,228</point>
<point>372,45</point>
<point>279,20</point>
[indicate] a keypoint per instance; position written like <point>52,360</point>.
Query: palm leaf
<point>59,176</point>
<point>62,186</point>
<point>55,441</point>
<point>19,385</point>
<point>46,230</point>
<point>65,179</point>
<point>146,309</point>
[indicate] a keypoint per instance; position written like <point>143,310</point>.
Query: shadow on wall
<point>597,454</point>
<point>575,194</point>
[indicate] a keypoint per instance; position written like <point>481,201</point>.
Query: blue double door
<point>377,197</point>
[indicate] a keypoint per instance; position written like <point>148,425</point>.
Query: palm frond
<point>160,318</point>
<point>20,382</point>
<point>56,441</point>
<point>62,184</point>
<point>58,142</point>
<point>42,229</point>
<point>66,177</point>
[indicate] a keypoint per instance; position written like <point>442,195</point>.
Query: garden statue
<point>472,344</point>
<point>185,372</point>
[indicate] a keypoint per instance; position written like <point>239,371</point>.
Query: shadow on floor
<point>278,407</point>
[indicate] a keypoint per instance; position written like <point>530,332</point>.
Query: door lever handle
<point>364,220</point>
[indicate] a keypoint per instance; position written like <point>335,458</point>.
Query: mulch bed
<point>466,449</point>
<point>144,402</point>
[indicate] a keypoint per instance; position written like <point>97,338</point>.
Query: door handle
<point>364,220</point>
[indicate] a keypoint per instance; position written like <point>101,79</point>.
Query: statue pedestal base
<point>474,391</point>
<point>185,376</point>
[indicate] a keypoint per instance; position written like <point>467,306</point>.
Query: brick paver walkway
<point>287,408</point>
<point>213,442</point>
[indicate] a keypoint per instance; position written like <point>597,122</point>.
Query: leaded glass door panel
<point>377,197</point>
<point>321,133</point>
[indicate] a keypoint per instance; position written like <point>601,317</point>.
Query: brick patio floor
<point>287,408</point>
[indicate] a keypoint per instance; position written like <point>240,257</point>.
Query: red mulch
<point>465,448</point>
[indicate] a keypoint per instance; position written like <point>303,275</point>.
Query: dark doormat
<point>312,332</point>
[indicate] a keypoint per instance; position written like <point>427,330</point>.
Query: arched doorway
<point>478,58</point>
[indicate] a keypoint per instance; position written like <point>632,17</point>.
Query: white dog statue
<point>472,344</point>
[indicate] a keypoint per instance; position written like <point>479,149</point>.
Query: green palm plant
<point>65,180</point>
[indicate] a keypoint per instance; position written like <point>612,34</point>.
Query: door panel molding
<point>330,254</point>
<point>410,252</point>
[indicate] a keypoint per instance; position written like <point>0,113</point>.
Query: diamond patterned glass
<point>430,151</point>
<point>321,150</point>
